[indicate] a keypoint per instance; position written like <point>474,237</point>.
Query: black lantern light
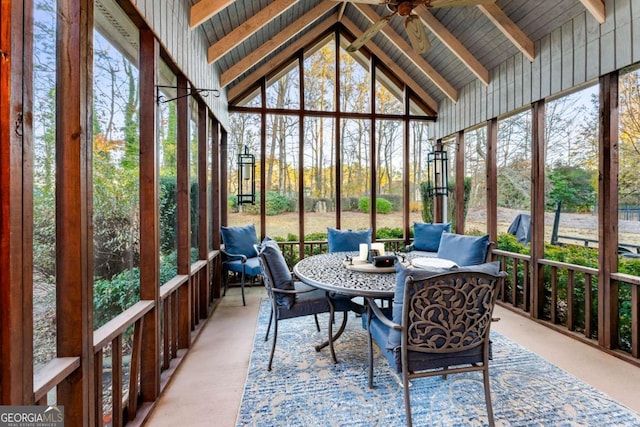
<point>246,178</point>
<point>437,171</point>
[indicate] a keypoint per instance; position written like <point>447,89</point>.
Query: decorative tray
<point>357,265</point>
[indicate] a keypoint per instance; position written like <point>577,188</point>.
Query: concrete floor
<point>207,388</point>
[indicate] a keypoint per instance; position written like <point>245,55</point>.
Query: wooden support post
<point>492,179</point>
<point>149,216</point>
<point>537,209</point>
<point>16,214</point>
<point>74,265</point>
<point>460,153</point>
<point>608,212</point>
<point>184,213</point>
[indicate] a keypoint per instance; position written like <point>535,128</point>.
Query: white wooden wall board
<point>555,75</point>
<point>635,41</point>
<point>567,55</point>
<point>545,66</point>
<point>510,84</point>
<point>481,103</point>
<point>607,52</point>
<point>635,29</point>
<point>623,45</point>
<point>517,80</point>
<point>527,70</point>
<point>579,50</point>
<point>504,89</point>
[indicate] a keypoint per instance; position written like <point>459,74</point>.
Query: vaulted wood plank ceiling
<point>251,39</point>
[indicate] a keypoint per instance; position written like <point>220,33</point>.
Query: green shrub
<point>382,206</point>
<point>389,233</point>
<point>275,204</point>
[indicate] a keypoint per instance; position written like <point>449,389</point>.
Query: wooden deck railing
<point>571,303</point>
<point>185,300</point>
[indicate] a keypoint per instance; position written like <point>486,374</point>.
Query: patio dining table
<point>330,272</point>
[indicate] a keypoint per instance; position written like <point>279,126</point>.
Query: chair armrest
<point>292,291</point>
<point>234,257</point>
<point>409,248</point>
<point>380,315</point>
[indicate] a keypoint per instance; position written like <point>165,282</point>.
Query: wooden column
<point>16,213</point>
<point>184,211</point>
<point>216,203</point>
<point>406,167</point>
<point>460,153</point>
<point>373,152</point>
<point>492,179</point>
<point>203,207</point>
<point>608,212</point>
<point>438,201</point>
<point>537,208</point>
<point>224,177</point>
<point>149,216</point>
<point>74,249</point>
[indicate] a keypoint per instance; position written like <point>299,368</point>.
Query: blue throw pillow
<point>347,240</point>
<point>239,240</point>
<point>463,250</point>
<point>279,270</point>
<point>426,237</point>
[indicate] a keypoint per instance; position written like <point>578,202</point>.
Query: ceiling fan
<point>412,23</point>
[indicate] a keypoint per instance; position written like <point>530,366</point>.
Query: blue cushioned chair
<point>290,298</point>
<point>441,327</point>
<point>347,240</point>
<point>240,255</point>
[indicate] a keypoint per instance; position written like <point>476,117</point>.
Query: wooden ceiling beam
<point>247,29</point>
<point>509,29</point>
<point>278,60</point>
<point>391,65</point>
<point>410,53</point>
<point>596,8</point>
<point>275,42</point>
<point>205,9</point>
<point>452,43</point>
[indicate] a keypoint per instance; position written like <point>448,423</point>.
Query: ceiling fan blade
<point>374,2</point>
<point>417,34</point>
<point>455,3</point>
<point>366,36</point>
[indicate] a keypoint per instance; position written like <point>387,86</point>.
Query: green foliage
<point>571,186</point>
<point>394,199</point>
<point>112,297</point>
<point>168,214</point>
<point>451,201</point>
<point>314,237</point>
<point>389,233</point>
<point>427,202</point>
<point>275,204</point>
<point>383,206</point>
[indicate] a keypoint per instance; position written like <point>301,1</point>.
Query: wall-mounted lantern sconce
<point>246,178</point>
<point>438,173</point>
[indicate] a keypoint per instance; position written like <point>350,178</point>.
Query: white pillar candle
<point>364,250</point>
<point>379,247</point>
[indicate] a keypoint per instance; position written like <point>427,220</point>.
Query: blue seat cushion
<point>251,267</point>
<point>280,273</point>
<point>239,240</point>
<point>312,302</point>
<point>347,240</point>
<point>426,237</point>
<point>463,250</point>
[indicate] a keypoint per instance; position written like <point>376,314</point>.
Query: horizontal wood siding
<point>577,52</point>
<point>169,21</point>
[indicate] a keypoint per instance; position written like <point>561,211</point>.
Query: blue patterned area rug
<point>306,389</point>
